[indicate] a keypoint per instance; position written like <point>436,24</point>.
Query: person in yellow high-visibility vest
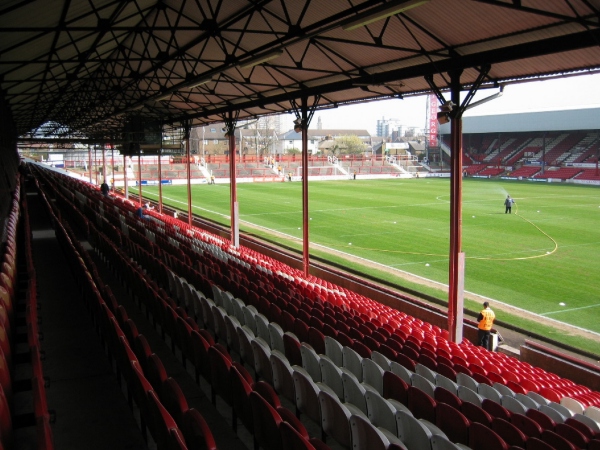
<point>486,319</point>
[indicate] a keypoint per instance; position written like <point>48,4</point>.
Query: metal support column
<point>303,118</point>
<point>125,179</point>
<point>186,128</point>
<point>103,164</point>
<point>456,266</point>
<point>230,123</point>
<point>160,197</point>
<point>140,177</point>
<point>305,218</point>
<point>90,165</point>
<point>112,164</point>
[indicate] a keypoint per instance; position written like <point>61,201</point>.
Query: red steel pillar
<point>160,200</point>
<point>235,223</point>
<point>456,263</point>
<point>189,173</point>
<point>140,177</point>
<point>305,218</point>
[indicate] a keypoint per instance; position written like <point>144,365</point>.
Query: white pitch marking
<point>570,309</point>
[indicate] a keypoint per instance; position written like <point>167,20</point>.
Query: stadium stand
<point>199,294</point>
<point>561,173</point>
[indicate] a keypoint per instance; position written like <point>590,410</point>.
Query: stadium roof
<point>75,67</point>
<point>562,120</point>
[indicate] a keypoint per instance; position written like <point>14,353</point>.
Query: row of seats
<point>174,402</point>
<point>216,365</point>
<point>18,305</point>
<point>159,399</point>
<point>486,405</point>
<point>527,372</point>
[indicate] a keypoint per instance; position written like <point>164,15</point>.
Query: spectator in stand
<point>104,188</point>
<point>140,212</point>
<point>486,319</point>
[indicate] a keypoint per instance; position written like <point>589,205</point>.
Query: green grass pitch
<point>544,254</point>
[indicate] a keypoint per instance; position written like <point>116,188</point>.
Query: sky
<point>565,93</point>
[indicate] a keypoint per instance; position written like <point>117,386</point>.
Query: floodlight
<point>195,83</point>
<point>443,117</point>
<point>249,63</point>
<point>298,125</point>
<point>383,12</point>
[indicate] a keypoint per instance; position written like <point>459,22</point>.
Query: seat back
<point>310,362</point>
<point>266,422</point>
<point>283,381</point>
<point>421,404</point>
<point>354,392</point>
<point>453,423</point>
<point>509,433</point>
<point>331,375</point>
<point>380,412</point>
<point>395,388</point>
<point>240,396</point>
<point>412,432</point>
<point>353,362</point>
<point>335,419</point>
<point>307,394</point>
<point>276,337</point>
<point>373,374</point>
<point>483,437</point>
<point>173,399</point>
<point>262,362</point>
<point>365,436</point>
<point>528,426</point>
<point>196,431</point>
<point>496,409</point>
<point>292,349</point>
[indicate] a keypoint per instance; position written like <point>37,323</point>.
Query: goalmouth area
<point>542,258</point>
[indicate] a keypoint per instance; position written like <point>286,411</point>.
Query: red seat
<point>581,427</point>
<point>241,386</point>
<point>292,350</point>
<point>476,414</point>
<point>266,423</point>
<point>410,352</point>
<point>495,409</point>
<point>361,349</point>
<point>301,330</point>
<point>6,426</point>
<point>394,387</point>
<point>220,365</point>
<point>571,434</point>
<point>173,399</point>
<point>510,433</point>
<point>428,362</point>
<point>421,405</point>
<point>528,426</point>
<point>267,392</point>
<point>556,441</point>
<point>407,362</point>
<point>317,340</point>
<point>156,372</point>
<point>161,423</point>
<point>482,437</point>
<point>446,371</point>
<point>542,419</point>
<point>196,431</point>
<point>200,356</point>
<point>538,444</point>
<point>442,395</point>
<point>452,422</point>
